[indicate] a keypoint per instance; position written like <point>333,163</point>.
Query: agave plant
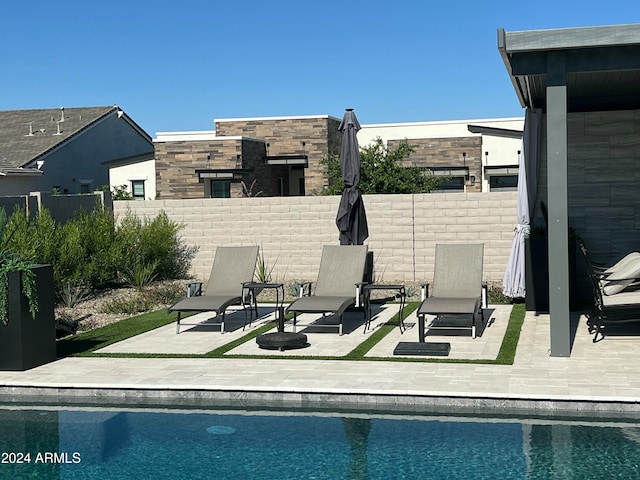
<point>11,262</point>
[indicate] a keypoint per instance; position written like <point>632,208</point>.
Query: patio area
<point>598,379</point>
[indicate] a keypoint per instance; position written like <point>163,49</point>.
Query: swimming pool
<point>75,443</point>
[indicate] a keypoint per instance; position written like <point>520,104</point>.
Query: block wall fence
<point>403,230</point>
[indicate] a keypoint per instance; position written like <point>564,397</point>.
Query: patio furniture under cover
<point>613,302</point>
<point>339,283</point>
<point>457,287</point>
<point>232,268</point>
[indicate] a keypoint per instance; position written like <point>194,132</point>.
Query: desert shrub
<point>155,241</point>
<point>90,252</point>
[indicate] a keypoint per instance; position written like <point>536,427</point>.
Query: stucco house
<point>66,150</point>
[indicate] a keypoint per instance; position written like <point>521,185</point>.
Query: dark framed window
<point>137,189</point>
<point>503,183</point>
<point>84,188</point>
<point>220,189</point>
<point>452,184</point>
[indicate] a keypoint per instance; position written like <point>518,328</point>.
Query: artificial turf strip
<point>507,353</point>
<point>361,350</point>
<point>83,344</point>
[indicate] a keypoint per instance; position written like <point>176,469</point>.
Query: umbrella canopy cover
<point>352,218</point>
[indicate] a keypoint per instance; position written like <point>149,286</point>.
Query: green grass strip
<point>83,344</point>
<point>507,353</point>
<point>361,350</point>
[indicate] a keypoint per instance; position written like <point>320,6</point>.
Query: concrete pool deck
<point>598,378</point>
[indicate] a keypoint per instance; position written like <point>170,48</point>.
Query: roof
<point>26,135</point>
<point>602,65</point>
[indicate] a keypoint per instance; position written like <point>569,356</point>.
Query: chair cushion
<point>627,274</point>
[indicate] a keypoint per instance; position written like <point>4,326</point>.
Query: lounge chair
<point>232,267</point>
<point>457,288</point>
<point>612,302</point>
<point>338,286</point>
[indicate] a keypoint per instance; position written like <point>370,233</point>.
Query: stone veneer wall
<point>177,162</point>
<point>447,152</point>
<point>285,137</point>
<point>603,155</point>
<point>291,231</point>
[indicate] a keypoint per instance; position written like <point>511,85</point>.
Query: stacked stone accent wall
<point>177,162</point>
<point>286,137</point>
<point>447,152</point>
<point>291,231</point>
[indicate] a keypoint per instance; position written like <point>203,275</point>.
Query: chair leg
<point>295,319</point>
<point>178,324</point>
<point>222,323</point>
<point>340,327</point>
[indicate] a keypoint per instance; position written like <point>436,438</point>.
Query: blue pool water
<point>111,444</point>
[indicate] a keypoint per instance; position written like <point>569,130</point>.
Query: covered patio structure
<point>586,82</point>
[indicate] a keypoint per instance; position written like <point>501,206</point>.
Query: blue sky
<point>178,65</point>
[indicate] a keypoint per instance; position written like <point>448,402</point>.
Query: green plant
<point>12,262</point>
<point>263,269</point>
<point>295,288</point>
<point>382,171</point>
<point>248,191</point>
<point>140,274</point>
<point>71,294</point>
<point>121,192</point>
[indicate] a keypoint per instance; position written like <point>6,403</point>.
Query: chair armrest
<point>305,286</point>
<point>194,289</point>
<point>485,295</point>
<point>424,291</point>
<point>359,292</point>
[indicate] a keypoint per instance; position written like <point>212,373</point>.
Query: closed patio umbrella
<point>513,284</point>
<point>352,218</point>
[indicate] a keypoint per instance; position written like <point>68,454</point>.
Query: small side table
<point>400,293</point>
<point>253,289</point>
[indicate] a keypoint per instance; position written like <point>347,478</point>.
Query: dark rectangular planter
<point>26,342</point>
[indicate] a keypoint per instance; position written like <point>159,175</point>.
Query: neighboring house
<point>273,156</point>
<point>281,156</point>
<point>474,155</point>
<point>66,150</point>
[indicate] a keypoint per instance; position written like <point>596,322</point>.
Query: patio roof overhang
<point>558,72</point>
<point>601,65</point>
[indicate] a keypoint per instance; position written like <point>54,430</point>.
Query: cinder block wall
<point>403,229</point>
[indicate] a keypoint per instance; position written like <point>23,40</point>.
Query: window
<point>503,183</point>
<point>220,189</point>
<point>84,188</point>
<point>137,189</point>
<point>452,184</point>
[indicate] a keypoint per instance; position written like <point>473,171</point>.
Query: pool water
<point>111,444</point>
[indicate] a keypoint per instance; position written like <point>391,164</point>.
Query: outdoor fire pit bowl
<point>282,341</point>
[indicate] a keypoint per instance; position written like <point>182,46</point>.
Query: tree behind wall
<point>381,171</point>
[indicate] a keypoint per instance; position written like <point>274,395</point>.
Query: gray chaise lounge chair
<point>232,267</point>
<point>339,283</point>
<point>457,287</point>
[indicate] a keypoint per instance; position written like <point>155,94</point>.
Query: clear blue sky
<point>178,65</point>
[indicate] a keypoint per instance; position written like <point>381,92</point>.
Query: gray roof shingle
<point>26,135</point>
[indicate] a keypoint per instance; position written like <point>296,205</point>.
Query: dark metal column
<point>557,205</point>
